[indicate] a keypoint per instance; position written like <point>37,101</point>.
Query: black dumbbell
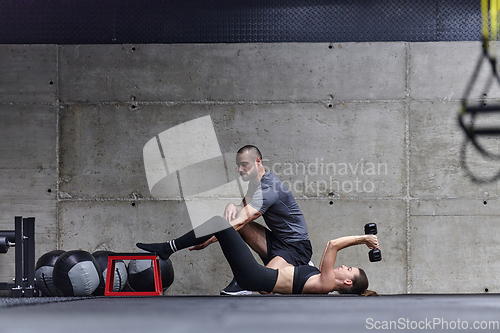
<point>374,254</point>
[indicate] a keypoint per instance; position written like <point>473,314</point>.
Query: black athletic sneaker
<point>234,289</point>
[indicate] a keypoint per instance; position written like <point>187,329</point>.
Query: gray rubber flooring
<point>252,314</point>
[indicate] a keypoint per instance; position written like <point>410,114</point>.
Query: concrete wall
<point>360,132</point>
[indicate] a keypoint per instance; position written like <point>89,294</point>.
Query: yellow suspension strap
<point>485,22</point>
<point>493,18</point>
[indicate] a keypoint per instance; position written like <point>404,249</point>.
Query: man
<point>285,243</point>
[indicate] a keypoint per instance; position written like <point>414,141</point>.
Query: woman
<point>250,275</point>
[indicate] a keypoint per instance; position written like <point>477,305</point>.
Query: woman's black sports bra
<point>301,274</point>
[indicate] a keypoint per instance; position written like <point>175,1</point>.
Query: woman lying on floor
<point>252,276</point>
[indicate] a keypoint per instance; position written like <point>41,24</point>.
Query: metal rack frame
<point>24,243</point>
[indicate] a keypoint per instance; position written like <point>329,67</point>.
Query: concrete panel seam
<point>69,198</point>
<point>451,215</point>
<point>21,168</point>
<point>252,102</point>
<point>354,199</point>
<point>407,155</point>
<point>31,104</point>
<point>232,102</point>
<point>58,137</point>
<point>449,100</point>
<point>423,198</point>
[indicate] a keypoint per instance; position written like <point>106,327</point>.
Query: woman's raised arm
<point>332,247</point>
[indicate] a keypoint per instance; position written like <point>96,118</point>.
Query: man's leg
<point>254,235</point>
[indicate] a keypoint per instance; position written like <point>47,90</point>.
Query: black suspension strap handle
<point>469,113</point>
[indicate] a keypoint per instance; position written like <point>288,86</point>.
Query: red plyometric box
<point>129,256</point>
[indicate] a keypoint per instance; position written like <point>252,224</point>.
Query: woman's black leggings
<point>249,274</point>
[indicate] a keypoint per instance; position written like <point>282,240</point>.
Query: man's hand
<point>230,212</point>
<point>203,245</point>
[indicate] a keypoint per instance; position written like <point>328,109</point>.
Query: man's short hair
<point>251,150</point>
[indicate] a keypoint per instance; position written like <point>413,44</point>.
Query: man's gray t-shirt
<point>279,208</point>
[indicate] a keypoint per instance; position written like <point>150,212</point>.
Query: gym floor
<point>270,313</point>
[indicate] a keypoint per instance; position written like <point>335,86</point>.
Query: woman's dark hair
<point>359,286</point>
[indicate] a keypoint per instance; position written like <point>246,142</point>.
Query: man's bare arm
<point>245,215</point>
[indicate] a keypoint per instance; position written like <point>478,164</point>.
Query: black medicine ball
<point>120,275</point>
<point>141,274</point>
<point>77,273</point>
<point>43,273</point>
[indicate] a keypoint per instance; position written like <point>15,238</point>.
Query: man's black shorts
<point>295,253</point>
